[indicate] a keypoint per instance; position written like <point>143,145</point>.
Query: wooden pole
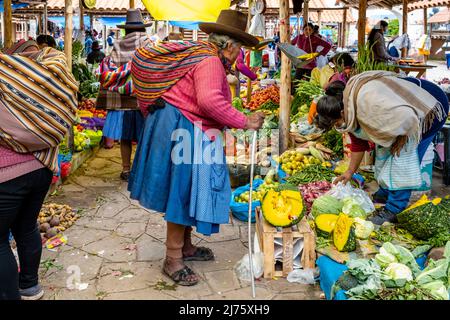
<point>7,16</point>
<point>2,26</point>
<point>344,29</point>
<point>425,21</point>
<point>45,30</point>
<point>319,20</point>
<point>132,4</point>
<point>285,88</point>
<point>68,32</point>
<point>425,30</point>
<point>91,22</point>
<point>405,24</point>
<point>81,16</point>
<point>362,22</point>
<point>305,12</point>
<point>40,23</point>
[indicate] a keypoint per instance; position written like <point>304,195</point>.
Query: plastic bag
<point>257,26</point>
<point>242,268</point>
<point>240,210</point>
<point>341,191</point>
<point>302,276</point>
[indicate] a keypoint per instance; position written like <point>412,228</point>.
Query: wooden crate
<point>268,233</point>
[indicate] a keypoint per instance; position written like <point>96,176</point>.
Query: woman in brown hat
<point>183,88</point>
<point>124,120</point>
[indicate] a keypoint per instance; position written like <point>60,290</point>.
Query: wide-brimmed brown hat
<point>231,23</point>
<point>134,20</point>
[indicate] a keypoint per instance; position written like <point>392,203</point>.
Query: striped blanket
<point>155,69</point>
<point>37,103</point>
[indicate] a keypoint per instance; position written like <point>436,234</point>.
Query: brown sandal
<point>181,275</point>
<point>200,254</point>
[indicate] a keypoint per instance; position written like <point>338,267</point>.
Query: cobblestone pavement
<point>116,248</point>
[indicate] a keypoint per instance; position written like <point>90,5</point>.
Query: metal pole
<point>250,209</point>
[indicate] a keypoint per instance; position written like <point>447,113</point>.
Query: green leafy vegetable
<point>333,140</point>
<point>353,208</point>
<point>363,228</point>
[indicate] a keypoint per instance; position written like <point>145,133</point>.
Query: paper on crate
<point>297,250</point>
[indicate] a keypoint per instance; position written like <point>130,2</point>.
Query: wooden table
<point>419,69</point>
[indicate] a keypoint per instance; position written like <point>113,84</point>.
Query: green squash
<point>325,224</point>
<point>344,238</point>
<point>425,219</point>
<point>283,208</point>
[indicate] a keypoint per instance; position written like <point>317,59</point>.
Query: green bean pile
<point>311,173</point>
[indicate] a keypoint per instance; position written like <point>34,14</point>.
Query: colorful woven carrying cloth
<point>156,69</point>
<point>37,103</point>
<point>115,79</point>
<point>114,74</point>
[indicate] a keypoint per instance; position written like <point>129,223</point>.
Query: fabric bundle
<point>38,103</point>
<point>156,69</point>
<point>114,74</point>
<point>115,79</point>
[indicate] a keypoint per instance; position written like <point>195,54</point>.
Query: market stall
<point>296,207</point>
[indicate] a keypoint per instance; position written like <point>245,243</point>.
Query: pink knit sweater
<point>203,95</point>
<point>13,164</point>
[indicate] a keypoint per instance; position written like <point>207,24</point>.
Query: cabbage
<point>437,289</point>
<point>397,271</point>
<point>326,204</point>
<point>363,228</point>
<point>353,208</point>
<point>390,248</point>
<point>384,258</point>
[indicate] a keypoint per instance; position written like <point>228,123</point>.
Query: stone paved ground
<point>118,248</point>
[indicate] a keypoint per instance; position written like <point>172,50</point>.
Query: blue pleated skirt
<point>189,194</point>
<point>123,125</point>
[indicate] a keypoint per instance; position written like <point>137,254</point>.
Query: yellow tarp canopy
<point>186,10</point>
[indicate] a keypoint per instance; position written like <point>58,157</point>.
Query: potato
<point>54,221</point>
<point>51,232</point>
<point>44,227</point>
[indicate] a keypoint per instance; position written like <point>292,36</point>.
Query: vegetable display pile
<point>295,161</point>
<point>395,275</point>
<point>87,108</point>
<point>89,88</point>
<point>238,104</point>
<point>312,191</point>
<point>307,91</point>
<point>312,173</point>
<point>426,218</point>
<point>334,141</point>
<point>258,194</point>
<point>283,207</point>
<point>54,218</point>
<point>262,96</point>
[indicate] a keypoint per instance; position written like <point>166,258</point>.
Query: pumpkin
<point>426,218</point>
<point>283,207</point>
<point>325,224</point>
<point>344,238</point>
